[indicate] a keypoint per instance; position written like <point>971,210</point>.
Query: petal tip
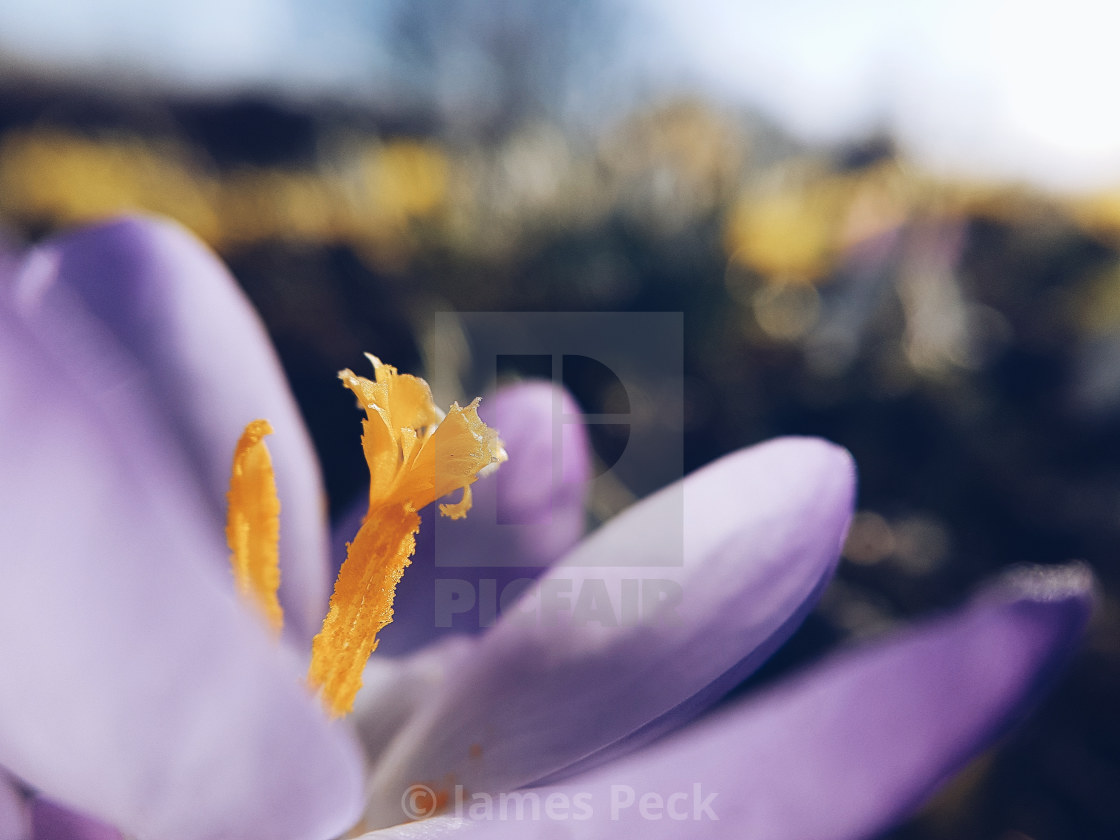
<point>533,400</point>
<point>136,227</point>
<point>1072,584</point>
<point>817,456</point>
<point>1049,605</point>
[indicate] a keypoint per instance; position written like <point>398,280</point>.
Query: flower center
<point>416,455</point>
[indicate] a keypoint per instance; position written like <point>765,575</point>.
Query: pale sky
<point>1019,90</point>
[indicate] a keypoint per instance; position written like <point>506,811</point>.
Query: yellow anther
<point>253,523</point>
<point>415,456</point>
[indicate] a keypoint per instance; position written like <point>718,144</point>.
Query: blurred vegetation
<point>961,339</point>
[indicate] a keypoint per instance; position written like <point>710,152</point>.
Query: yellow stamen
<point>253,523</point>
<point>415,456</point>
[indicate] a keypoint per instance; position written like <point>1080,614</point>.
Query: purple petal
<point>845,750</point>
<point>544,691</point>
<point>137,688</point>
<point>11,252</point>
<point>140,306</point>
<point>525,516</point>
<point>393,689</point>
<point>51,821</point>
<point>15,821</point>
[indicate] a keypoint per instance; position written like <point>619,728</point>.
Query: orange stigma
<point>415,455</point>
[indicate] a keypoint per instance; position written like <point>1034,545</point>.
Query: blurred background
<point>893,225</point>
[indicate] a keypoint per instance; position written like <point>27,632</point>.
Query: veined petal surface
<point>634,632</point>
<point>842,751</point>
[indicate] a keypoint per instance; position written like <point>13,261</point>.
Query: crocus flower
<point>142,695</point>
